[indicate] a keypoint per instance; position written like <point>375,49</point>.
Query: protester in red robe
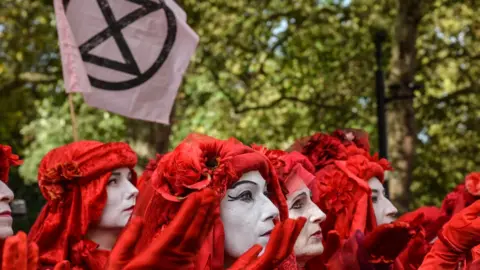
<point>241,221</point>
<point>86,184</point>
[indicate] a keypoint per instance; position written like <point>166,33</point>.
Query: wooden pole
<point>72,115</point>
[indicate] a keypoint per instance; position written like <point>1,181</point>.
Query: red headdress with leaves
<point>321,149</point>
<point>73,180</point>
<point>197,163</point>
<point>7,159</point>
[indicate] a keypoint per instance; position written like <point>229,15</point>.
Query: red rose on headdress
<point>192,167</point>
<point>63,171</point>
<point>55,178</point>
<point>322,149</point>
<point>472,183</point>
<point>336,190</point>
<point>274,156</point>
<point>7,159</point>
<point>384,163</point>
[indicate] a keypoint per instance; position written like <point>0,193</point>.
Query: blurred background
<point>269,72</point>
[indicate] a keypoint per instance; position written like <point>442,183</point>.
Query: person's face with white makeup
<point>6,197</point>
<point>121,196</point>
<point>300,204</point>
<point>247,214</point>
<point>385,211</point>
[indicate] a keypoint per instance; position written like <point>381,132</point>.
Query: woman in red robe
<point>90,191</point>
<point>244,216</point>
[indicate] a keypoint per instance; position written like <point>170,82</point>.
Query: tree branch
<point>285,98</point>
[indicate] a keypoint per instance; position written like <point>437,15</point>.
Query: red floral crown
<point>323,149</point>
<point>196,163</point>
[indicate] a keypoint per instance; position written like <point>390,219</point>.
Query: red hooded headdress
<point>73,179</point>
<point>291,167</point>
<point>196,163</point>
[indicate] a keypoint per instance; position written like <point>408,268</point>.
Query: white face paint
<point>247,214</point>
<point>385,211</point>
<point>6,197</point>
<point>121,196</point>
<point>309,242</point>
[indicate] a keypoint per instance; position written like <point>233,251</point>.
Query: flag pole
<point>72,115</point>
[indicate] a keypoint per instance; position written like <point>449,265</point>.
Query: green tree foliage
<point>53,128</point>
<point>266,72</point>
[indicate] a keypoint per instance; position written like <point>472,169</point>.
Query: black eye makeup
<point>299,201</point>
<point>112,181</point>
<point>298,204</point>
<point>245,196</point>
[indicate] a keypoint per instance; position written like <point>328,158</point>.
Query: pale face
<point>300,204</point>
<point>385,212</point>
<point>121,196</point>
<point>6,197</point>
<point>247,214</point>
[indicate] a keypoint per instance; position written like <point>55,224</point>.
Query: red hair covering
<point>7,159</point>
<point>73,179</point>
<point>196,163</point>
<point>321,149</point>
<point>344,166</point>
<point>344,195</point>
<point>291,168</point>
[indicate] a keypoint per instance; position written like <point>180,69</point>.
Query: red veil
<point>196,163</point>
<point>73,179</point>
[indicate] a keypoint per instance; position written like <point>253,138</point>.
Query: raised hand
<point>279,247</point>
<point>458,236</point>
<point>387,241</point>
<point>18,254</point>
<point>462,232</point>
<point>175,247</point>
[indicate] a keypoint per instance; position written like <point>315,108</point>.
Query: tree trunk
<point>162,134</point>
<point>401,113</point>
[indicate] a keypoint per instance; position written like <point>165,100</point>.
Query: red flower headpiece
<point>472,183</point>
<point>321,149</point>
<point>201,161</point>
<point>366,168</point>
<point>7,159</point>
<point>274,156</point>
